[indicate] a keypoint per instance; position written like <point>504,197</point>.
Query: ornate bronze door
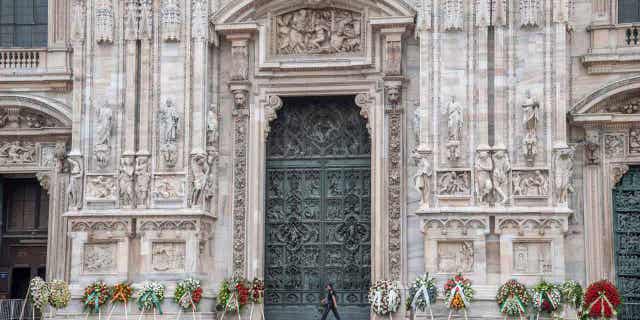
<point>318,202</point>
<point>626,203</point>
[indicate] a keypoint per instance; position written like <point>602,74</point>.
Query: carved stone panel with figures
<point>532,258</point>
<point>99,258</point>
<point>455,256</point>
<point>168,256</point>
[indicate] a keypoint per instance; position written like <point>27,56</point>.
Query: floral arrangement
<point>601,300</point>
<point>151,296</point>
<point>572,293</point>
<point>233,294</point>
<point>458,293</point>
<point>188,293</point>
<point>257,291</point>
<point>95,296</point>
<point>59,295</point>
<point>513,298</point>
<point>121,293</point>
<point>39,293</point>
<point>422,293</point>
<point>384,297</point>
<point>546,297</point>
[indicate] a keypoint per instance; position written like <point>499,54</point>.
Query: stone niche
<point>99,247</point>
<point>456,243</point>
<point>532,247</point>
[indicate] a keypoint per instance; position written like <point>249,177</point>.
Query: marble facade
<point>498,130</point>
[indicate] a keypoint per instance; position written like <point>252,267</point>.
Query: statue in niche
<point>125,182</point>
<point>104,128</point>
<point>143,180</point>
<point>592,147</point>
<point>74,189</point>
<point>421,181</point>
<point>564,172</point>
<point>169,119</point>
<point>200,170</point>
<point>501,167</point>
<point>484,184</point>
<point>455,124</point>
<point>212,127</point>
<point>530,121</point>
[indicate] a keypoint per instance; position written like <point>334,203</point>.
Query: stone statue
<point>530,121</point>
<point>199,170</point>
<point>212,127</point>
<point>143,180</point>
<point>421,181</point>
<point>74,189</point>
<point>169,119</point>
<point>455,125</point>
<point>125,182</point>
<point>104,128</point>
<point>484,184</point>
<point>501,168</point>
<point>564,172</point>
<point>592,147</point>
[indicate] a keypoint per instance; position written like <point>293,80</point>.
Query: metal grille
<point>318,227</point>
<point>626,197</point>
<point>10,309</point>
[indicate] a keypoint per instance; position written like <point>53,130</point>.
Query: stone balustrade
<point>22,58</point>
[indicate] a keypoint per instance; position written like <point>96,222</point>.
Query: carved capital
<point>617,172</point>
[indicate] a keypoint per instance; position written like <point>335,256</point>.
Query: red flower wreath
<point>243,293</point>
<point>601,300</point>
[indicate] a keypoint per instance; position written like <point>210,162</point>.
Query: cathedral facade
<point>307,142</point>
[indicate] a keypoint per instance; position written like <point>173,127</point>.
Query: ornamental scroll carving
<point>319,31</point>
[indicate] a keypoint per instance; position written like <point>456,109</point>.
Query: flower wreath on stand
<point>513,299</point>
<point>151,297</point>
<point>59,295</point>
<point>422,294</point>
<point>384,297</point>
<point>95,296</point>
<point>120,294</point>
<point>572,295</point>
<point>38,294</point>
<point>187,296</point>
<point>546,298</point>
<point>233,295</point>
<point>458,294</point>
<point>256,295</point>
<point>601,300</point>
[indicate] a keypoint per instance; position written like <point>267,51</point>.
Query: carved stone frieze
<point>199,20</point>
<point>168,256</point>
<point>319,31</point>
<point>18,152</point>
<point>455,126</point>
<point>530,122</point>
<point>99,258</point>
<point>170,20</point>
<point>613,145</point>
<point>531,225</point>
<point>169,132</point>
<point>625,105</point>
<point>143,181</point>
<point>158,224</point>
<point>15,117</point>
<point>634,140</point>
<point>240,139</point>
<point>106,225</point>
<point>101,188</point>
<point>500,176</point>
<point>484,182</point>
<point>530,183</point>
<point>168,187</point>
<point>394,185</point>
<point>457,226</point>
<point>422,179</point>
<point>104,21</point>
<point>529,13</point>
<point>592,147</point>
<point>126,182</point>
<point>454,183</point>
<point>74,188</point>
<point>563,174</point>
<point>103,133</point>
<point>453,15</point>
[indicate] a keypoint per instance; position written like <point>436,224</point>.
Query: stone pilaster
<point>482,22</point>
<point>146,36</point>
<point>199,36</point>
<point>394,115</point>
<point>79,13</point>
<point>131,77</point>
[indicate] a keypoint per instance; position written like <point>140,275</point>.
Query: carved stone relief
<point>101,188</point>
<point>634,140</point>
<point>393,56</point>
<point>169,120</point>
<point>455,126</point>
<point>199,20</point>
<point>104,21</point>
<point>274,104</point>
<point>614,145</point>
<point>15,117</point>
<point>532,257</point>
<point>629,105</point>
<point>103,132</point>
<point>74,188</point>
<point>99,258</point>
<point>145,22</point>
<point>99,224</point>
<point>453,15</point>
<point>422,180</point>
<point>455,256</point>
<point>530,121</point>
<point>47,156</point>
<point>394,113</point>
<point>240,115</point>
<point>501,169</point>
<point>592,147</point>
<point>484,183</point>
<point>617,172</point>
<point>530,183</point>
<point>168,256</point>
<point>125,182</point>
<point>17,152</point>
<point>319,31</point>
<point>171,20</point>
<point>454,183</point>
<point>45,180</point>
<point>212,129</point>
<point>168,187</point>
<point>199,173</point>
<point>529,13</point>
<point>564,174</point>
<point>143,181</point>
<point>531,226</point>
<point>240,60</point>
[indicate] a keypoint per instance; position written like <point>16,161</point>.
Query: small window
<point>23,23</point>
<point>628,11</point>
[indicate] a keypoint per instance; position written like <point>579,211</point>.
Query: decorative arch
<point>586,104</point>
<point>47,106</point>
